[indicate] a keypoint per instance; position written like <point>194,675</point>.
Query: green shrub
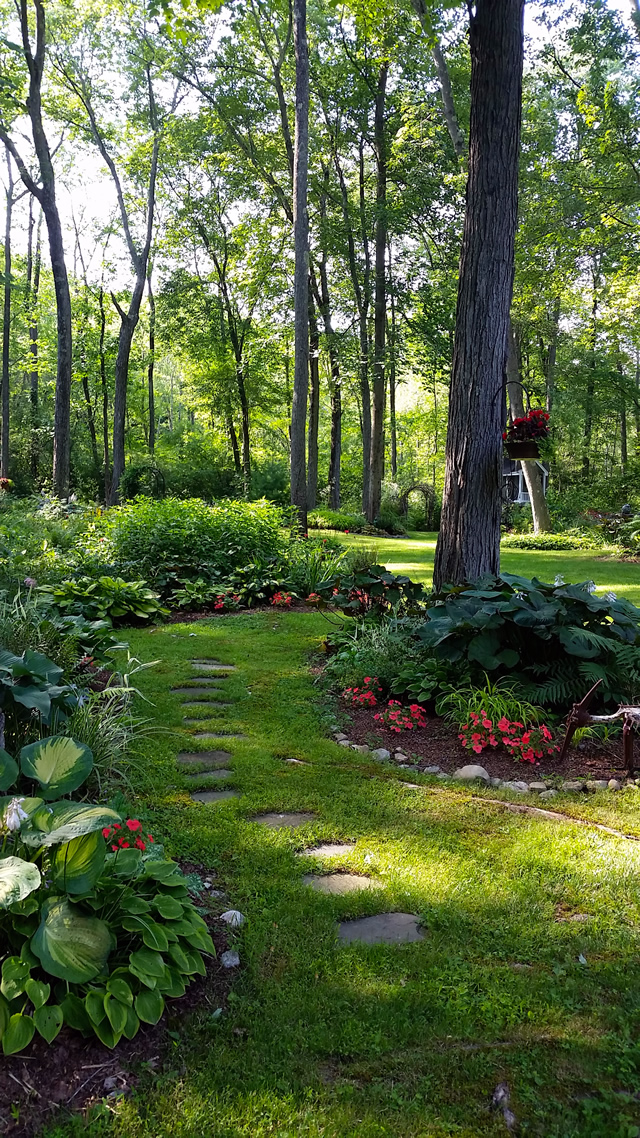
<point>169,539</point>
<point>107,598</point>
<point>391,523</point>
<point>339,520</point>
<point>31,693</point>
<point>96,926</point>
<point>373,592</point>
<point>310,566</point>
<point>555,641</point>
<point>586,539</point>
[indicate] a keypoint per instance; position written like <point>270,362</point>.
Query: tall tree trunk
<point>530,469</point>
<point>6,324</point>
<point>246,436</point>
<point>314,404</point>
<point>376,461</point>
<point>392,376</point>
<point>301,270</point>
<point>363,332</point>
<point>106,460</point>
<point>233,439</point>
<point>150,369</point>
<point>45,191</point>
<point>334,364</point>
<point>591,385</point>
<point>469,539</point>
<point>34,370</point>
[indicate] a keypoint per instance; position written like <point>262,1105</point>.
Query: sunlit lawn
<point>414,555</point>
<point>322,1041</point>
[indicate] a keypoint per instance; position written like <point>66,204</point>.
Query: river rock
<point>538,786</point>
<point>549,793</point>
<point>597,784</point>
<point>517,786</point>
<point>574,785</point>
<point>381,754</point>
<point>431,770</point>
<point>471,771</point>
<point>614,784</point>
<point>360,747</point>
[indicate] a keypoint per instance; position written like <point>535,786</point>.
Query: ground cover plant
<point>350,1040</point>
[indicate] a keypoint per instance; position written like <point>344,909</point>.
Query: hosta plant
<point>96,928</point>
<point>107,598</point>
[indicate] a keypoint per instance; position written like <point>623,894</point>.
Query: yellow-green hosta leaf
<point>18,878</point>
<point>70,945</point>
<point>59,764</point>
<point>77,865</point>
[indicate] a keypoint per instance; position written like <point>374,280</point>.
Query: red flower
<point>133,824</point>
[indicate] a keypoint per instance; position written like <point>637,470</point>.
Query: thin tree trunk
<point>376,460</point>
<point>34,368</point>
<point>392,376</point>
<point>106,461</point>
<point>530,468</point>
<point>591,385</point>
<point>314,404</point>
<point>233,439</point>
<point>469,539</point>
<point>6,323</point>
<point>334,363</point>
<point>150,369</point>
<point>301,270</point>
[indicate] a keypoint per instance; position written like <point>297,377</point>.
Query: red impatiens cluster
<point>526,745</point>
<point>533,425</point>
<point>398,718</point>
<point>281,599</point>
<point>128,836</point>
<point>366,696</point>
<point>227,601</point>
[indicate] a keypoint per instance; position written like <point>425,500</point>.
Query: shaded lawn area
<point>408,1041</point>
<point>414,554</point>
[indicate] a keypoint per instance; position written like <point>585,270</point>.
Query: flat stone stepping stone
<point>384,928</point>
<point>329,850</point>
<point>210,704</point>
<point>213,795</point>
<point>205,667</point>
<point>218,775</point>
<point>283,821</point>
<point>189,722</point>
<point>216,686</point>
<point>210,736</point>
<point>338,882</point>
<point>213,758</point>
<point>296,762</point>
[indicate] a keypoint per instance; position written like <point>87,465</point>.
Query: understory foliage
<point>97,926</point>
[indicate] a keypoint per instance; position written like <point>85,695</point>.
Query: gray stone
<point>381,754</point>
<point>329,849</point>
<point>573,785</point>
<point>471,771</point>
<point>188,722</point>
<point>212,758</point>
<point>431,770</point>
<point>283,821</point>
<point>614,784</point>
<point>218,774</point>
<point>597,784</point>
<point>549,793</point>
<point>411,785</point>
<point>214,795</point>
<point>344,743</point>
<point>495,781</point>
<point>234,918</point>
<point>296,762</point>
<point>213,667</point>
<point>630,782</point>
<point>338,882</point>
<point>207,736</point>
<point>385,928</point>
<point>442,775</point>
<point>400,757</point>
<point>517,787</point>
<point>538,786</point>
<point>406,766</point>
<point>198,691</point>
<point>339,736</point>
<point>208,704</point>
<point>230,959</point>
<point>360,747</point>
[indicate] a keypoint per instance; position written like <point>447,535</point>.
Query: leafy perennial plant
<point>524,744</point>
<point>398,718</point>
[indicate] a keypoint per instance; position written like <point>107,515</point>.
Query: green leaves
<point>18,1033</point>
<point>58,763</point>
<point>149,1006</point>
<point>8,770</point>
<point>76,866</point>
<point>69,945</point>
<point>66,820</point>
<point>18,879</point>
<point>48,1022</point>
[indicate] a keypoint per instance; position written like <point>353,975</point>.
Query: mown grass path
<point>528,970</point>
<point>414,555</point>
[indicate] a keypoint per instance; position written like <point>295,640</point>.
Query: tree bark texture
<point>151,367</point>
<point>376,460</point>
<point>301,269</point>
<point>469,539</point>
<point>6,325</point>
<point>314,404</point>
<point>530,469</point>
<point>34,370</point>
<point>335,388</point>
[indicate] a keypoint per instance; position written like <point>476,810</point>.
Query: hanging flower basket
<point>529,449</point>
<point>522,437</point>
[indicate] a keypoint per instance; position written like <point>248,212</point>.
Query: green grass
<point>414,555</point>
<point>402,1042</point>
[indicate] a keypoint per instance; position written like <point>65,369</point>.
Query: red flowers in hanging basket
<point>532,426</point>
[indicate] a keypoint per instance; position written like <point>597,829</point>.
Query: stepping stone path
<point>198,691</point>
<point>212,758</point>
<point>282,821</point>
<point>214,795</point>
<point>338,882</point>
<point>212,666</point>
<point>385,928</point>
<point>214,762</point>
<point>221,773</point>
<point>211,704</point>
<point>328,850</point>
<point>209,736</point>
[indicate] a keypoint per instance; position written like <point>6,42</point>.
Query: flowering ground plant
<point>525,744</point>
<point>533,425</point>
<point>398,718</point>
<point>126,835</point>
<point>281,600</point>
<point>367,695</point>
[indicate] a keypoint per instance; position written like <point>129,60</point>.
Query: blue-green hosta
<point>96,934</point>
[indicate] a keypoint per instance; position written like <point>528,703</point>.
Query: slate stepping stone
<point>282,821</point>
<point>329,850</point>
<point>210,704</point>
<point>190,722</point>
<point>212,758</point>
<point>338,882</point>
<point>218,775</point>
<point>296,762</point>
<point>207,736</point>
<point>213,795</point>
<point>213,667</point>
<point>194,691</point>
<point>384,928</point>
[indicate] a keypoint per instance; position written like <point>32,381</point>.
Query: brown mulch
<point>437,744</point>
<point>74,1073</point>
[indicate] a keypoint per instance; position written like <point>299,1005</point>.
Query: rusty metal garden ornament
<point>580,716</point>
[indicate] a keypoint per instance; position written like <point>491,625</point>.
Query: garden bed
<point>438,744</point>
<point>77,1073</point>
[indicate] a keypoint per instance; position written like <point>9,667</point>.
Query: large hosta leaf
<point>77,865</point>
<point>8,770</point>
<point>59,764</point>
<point>69,945</point>
<point>18,879</point>
<point>63,821</point>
